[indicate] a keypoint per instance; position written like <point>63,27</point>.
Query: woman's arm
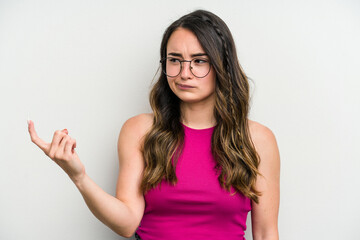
<point>264,216</point>
<point>109,210</point>
<point>122,213</point>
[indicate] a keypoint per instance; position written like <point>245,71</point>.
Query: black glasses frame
<point>163,62</point>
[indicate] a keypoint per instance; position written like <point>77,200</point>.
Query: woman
<point>196,166</point>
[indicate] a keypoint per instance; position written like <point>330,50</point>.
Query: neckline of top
<point>198,130</point>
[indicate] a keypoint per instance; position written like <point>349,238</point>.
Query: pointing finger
<point>35,138</point>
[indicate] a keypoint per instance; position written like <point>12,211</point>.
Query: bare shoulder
<point>264,141</point>
<point>260,134</point>
<point>139,124</point>
<point>136,127</point>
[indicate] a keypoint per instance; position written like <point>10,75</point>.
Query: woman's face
<point>184,45</point>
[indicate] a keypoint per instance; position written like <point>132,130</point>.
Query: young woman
<point>196,166</point>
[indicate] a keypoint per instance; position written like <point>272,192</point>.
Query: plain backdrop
<point>88,66</point>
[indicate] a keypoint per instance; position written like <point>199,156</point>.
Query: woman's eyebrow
<point>175,54</point>
<point>192,55</point>
<point>198,55</point>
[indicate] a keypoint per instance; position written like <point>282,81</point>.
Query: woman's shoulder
<point>262,137</point>
<point>142,118</point>
<point>139,124</point>
<point>259,130</point>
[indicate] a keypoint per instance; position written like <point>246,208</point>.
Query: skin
<point>124,212</point>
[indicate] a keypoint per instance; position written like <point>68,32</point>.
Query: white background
<point>88,65</point>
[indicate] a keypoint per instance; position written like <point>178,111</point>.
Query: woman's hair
<point>233,150</point>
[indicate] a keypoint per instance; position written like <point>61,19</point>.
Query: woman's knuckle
<point>51,155</point>
<point>58,155</point>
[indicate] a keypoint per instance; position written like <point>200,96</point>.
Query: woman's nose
<point>186,70</point>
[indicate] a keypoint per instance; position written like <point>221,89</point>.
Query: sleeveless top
<point>197,207</point>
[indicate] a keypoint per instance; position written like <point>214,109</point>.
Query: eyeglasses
<point>172,67</point>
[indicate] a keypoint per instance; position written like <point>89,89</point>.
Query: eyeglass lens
<point>198,66</point>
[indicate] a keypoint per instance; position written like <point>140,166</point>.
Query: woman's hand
<point>61,150</point>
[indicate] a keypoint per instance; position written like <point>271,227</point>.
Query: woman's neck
<point>197,115</point>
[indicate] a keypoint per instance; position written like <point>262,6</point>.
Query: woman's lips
<point>183,86</point>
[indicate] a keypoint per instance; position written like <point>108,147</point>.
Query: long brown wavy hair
<point>233,150</point>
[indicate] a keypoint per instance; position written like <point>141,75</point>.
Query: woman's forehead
<point>185,42</point>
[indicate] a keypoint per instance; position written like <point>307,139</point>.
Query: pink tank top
<point>196,207</point>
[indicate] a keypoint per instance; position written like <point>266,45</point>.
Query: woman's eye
<point>174,60</point>
<point>200,61</point>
